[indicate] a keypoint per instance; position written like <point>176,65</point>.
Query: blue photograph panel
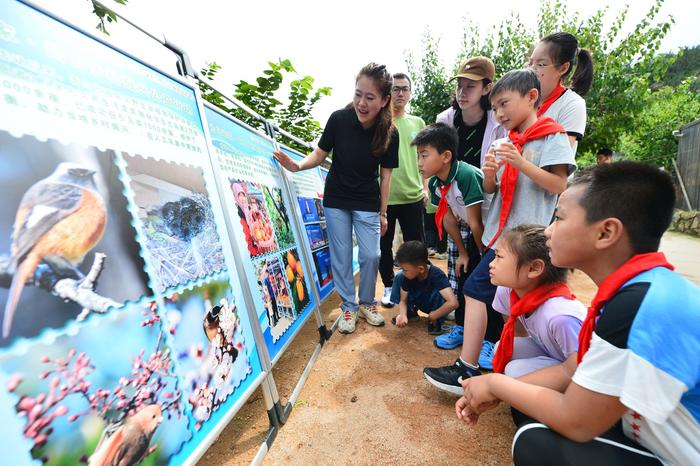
<point>260,215</point>
<point>112,230</point>
<point>307,186</point>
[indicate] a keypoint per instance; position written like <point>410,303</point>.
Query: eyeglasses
<point>538,66</point>
<point>398,89</point>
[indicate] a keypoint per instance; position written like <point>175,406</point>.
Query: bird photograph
<point>63,221</point>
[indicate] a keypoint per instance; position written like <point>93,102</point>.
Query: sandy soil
<point>366,402</point>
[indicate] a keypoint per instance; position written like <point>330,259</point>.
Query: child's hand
<point>477,393</point>
<point>491,164</point>
<point>401,320</point>
<point>432,317</point>
<point>464,412</point>
<point>461,264</point>
<point>507,152</point>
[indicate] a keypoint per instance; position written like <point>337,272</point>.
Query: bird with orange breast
<point>60,219</point>
<point>126,443</point>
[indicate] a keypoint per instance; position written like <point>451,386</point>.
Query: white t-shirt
<point>569,110</point>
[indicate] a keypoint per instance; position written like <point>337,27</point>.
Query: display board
<point>255,198</point>
<point>122,307</point>
<point>307,187</point>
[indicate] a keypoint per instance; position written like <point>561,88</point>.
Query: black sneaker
<point>448,378</point>
<point>435,328</point>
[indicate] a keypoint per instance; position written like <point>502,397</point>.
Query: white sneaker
<point>371,315</point>
<point>347,322</point>
<point>386,299</point>
<point>451,316</point>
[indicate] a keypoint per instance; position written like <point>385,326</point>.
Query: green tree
<point>625,64</point>
<point>665,110</point>
<point>686,65</point>
<point>262,97</point>
<point>431,90</point>
<point>104,14</point>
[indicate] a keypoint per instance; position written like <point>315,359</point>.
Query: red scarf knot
<point>519,306</point>
<point>540,129</point>
<point>612,283</point>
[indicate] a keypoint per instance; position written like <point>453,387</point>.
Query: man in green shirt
<point>408,189</point>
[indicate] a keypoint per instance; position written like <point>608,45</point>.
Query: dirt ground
<point>366,402</point>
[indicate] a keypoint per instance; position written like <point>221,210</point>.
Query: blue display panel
<point>260,215</point>
<point>120,300</point>
<point>307,186</point>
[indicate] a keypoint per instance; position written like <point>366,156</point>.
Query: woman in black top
<point>363,140</point>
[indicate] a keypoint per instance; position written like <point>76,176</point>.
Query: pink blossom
<point>15,380</point>
<point>26,403</point>
<point>61,410</point>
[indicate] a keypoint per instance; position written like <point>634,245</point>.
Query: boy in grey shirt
<point>526,172</point>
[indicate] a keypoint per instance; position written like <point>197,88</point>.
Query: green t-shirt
<point>466,189</point>
<point>406,180</point>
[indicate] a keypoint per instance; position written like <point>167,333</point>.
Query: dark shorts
<point>478,286</point>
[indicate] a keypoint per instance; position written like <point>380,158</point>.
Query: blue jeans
<point>341,223</point>
<point>425,300</point>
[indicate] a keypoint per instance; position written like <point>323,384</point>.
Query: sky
<point>328,40</point>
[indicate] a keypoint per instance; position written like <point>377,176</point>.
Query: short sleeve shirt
<point>435,281</point>
<point>569,110</point>
<point>406,180</point>
<point>645,351</point>
<point>531,203</point>
<point>352,182</point>
<point>554,326</point>
<point>466,189</point>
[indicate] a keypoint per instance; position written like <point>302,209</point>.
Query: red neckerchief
<point>442,208</point>
<point>519,306</point>
<point>551,98</point>
<point>540,129</point>
<point>612,283</point>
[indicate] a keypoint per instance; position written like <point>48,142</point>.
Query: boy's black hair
<point>412,252</point>
<point>605,152</point>
<point>640,195</point>
<point>440,136</point>
<point>520,81</point>
<point>403,76</point>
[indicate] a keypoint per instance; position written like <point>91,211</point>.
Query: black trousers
<point>536,444</point>
<point>410,217</point>
<point>432,239</point>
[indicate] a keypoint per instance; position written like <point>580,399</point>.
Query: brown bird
<point>60,218</point>
<point>126,443</point>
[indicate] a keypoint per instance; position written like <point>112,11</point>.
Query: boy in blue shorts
<point>526,173</point>
<point>634,397</point>
<point>421,286</point>
<point>456,189</point>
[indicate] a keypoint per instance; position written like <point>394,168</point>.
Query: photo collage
<point>316,231</point>
<point>266,225</point>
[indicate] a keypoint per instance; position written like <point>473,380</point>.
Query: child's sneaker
<point>449,378</point>
<point>347,322</point>
<point>431,252</point>
<point>435,328</point>
<point>371,315</point>
<point>451,316</point>
<point>486,355</point>
<point>450,340</point>
<point>386,298</point>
